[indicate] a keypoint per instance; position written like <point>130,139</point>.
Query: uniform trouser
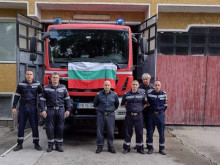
<point>54,126</point>
<point>30,113</point>
<point>130,122</point>
<point>145,115</point>
<point>109,122</point>
<point>152,121</point>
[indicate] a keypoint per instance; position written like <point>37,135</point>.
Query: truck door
<point>146,62</point>
<point>26,28</point>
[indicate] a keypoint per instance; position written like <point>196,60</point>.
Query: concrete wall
<point>11,12</point>
<point>153,3</point>
<point>183,20</point>
<point>68,15</point>
<point>8,77</point>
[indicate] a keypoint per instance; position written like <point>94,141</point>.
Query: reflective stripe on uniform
<point>66,98</point>
<point>132,97</point>
<point>17,94</point>
<point>48,89</point>
<point>161,144</point>
<point>36,138</point>
<point>20,138</point>
<point>139,144</point>
<point>150,144</point>
<point>149,90</point>
<point>60,89</point>
<point>23,84</point>
<point>162,96</point>
<point>150,95</point>
<point>126,143</point>
<point>165,105</point>
<point>35,84</point>
<point>41,98</point>
<point>59,140</point>
<point>52,140</point>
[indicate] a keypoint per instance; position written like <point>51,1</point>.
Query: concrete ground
<point>184,145</point>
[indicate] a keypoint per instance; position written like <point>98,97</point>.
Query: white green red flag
<point>90,75</point>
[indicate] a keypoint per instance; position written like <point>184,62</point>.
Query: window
<point>197,41</point>
<point>8,41</point>
<point>5,106</point>
<point>182,50</point>
<point>89,45</point>
<point>28,28</point>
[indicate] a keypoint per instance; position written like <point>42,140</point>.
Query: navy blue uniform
<point>143,86</point>
<point>106,103</point>
<point>145,89</point>
<point>56,98</point>
<point>134,105</point>
<point>156,116</point>
<point>27,95</point>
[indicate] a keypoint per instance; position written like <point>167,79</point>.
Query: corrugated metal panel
<point>212,105</point>
<point>183,78</point>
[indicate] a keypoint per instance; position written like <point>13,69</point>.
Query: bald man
<point>157,100</point>
<point>106,102</point>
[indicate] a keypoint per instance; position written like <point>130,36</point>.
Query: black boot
<point>59,148</point>
<point>37,146</point>
<point>150,151</point>
<point>161,151</point>
<point>50,148</point>
<point>18,147</point>
<point>140,149</point>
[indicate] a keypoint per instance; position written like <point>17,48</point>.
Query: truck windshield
<point>88,46</point>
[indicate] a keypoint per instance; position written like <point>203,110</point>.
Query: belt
<point>133,113</point>
<point>56,107</point>
<point>157,112</point>
<point>28,105</point>
<point>107,113</point>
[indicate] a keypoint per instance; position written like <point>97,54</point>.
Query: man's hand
<point>67,113</point>
<point>145,105</point>
<point>44,114</point>
<point>14,111</point>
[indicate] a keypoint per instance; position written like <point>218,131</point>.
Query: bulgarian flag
<point>90,75</point>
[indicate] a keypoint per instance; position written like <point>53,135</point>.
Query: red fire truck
<point>100,43</point>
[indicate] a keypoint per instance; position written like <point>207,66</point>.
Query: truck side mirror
<point>33,45</point>
<point>33,48</point>
<point>143,45</point>
<point>33,57</point>
<point>45,35</point>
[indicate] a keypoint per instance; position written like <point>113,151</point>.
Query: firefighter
<point>106,102</point>
<point>157,100</point>
<point>134,101</point>
<point>27,94</point>
<point>53,102</point>
<point>145,86</point>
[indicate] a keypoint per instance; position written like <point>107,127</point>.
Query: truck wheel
<point>121,129</point>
